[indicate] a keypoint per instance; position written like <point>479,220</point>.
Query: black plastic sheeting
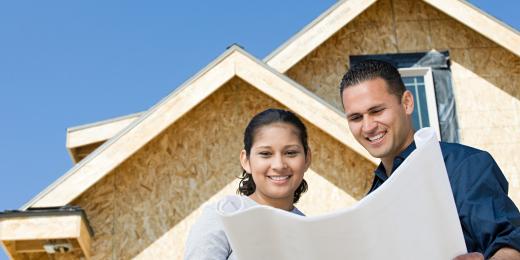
<point>439,62</point>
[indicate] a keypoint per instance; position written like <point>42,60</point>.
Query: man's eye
<point>264,154</point>
<point>379,110</point>
<point>354,118</point>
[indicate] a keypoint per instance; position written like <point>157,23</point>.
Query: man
<point>379,113</point>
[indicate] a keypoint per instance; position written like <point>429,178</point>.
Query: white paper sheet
<point>411,216</point>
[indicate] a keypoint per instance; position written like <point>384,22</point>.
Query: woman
<point>274,159</point>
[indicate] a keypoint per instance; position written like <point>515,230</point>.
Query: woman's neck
<point>285,203</point>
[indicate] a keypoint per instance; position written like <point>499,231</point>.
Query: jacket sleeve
<point>489,218</point>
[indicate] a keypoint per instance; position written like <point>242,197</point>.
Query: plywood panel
<point>412,11</point>
<point>98,203</point>
<point>171,244</point>
<point>340,165</point>
<point>323,196</point>
<point>413,36</point>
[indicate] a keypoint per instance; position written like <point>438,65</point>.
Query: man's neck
<point>388,162</point>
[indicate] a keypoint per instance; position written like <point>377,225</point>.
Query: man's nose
<point>369,124</point>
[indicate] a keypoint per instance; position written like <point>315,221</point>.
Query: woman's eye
<point>292,153</point>
<point>264,154</point>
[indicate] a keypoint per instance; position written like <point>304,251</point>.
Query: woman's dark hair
<point>247,186</point>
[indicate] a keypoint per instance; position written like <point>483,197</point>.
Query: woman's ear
<point>244,161</point>
<point>308,159</point>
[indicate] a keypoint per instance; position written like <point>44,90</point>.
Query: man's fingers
<point>470,256</point>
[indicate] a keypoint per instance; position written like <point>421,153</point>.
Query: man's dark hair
<point>372,69</point>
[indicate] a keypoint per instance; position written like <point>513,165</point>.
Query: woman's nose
<point>278,163</point>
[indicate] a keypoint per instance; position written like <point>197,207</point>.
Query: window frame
<point>426,73</point>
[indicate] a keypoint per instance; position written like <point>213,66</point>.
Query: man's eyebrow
<point>371,109</point>
<point>376,107</point>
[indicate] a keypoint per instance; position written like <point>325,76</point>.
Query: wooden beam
<point>29,234</point>
<point>29,246</point>
<point>317,32</point>
<point>31,228</point>
<point>97,132</point>
<point>84,240</point>
<point>82,137</point>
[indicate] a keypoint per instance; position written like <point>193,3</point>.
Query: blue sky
<point>67,63</point>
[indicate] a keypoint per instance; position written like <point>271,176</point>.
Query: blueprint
<point>411,216</point>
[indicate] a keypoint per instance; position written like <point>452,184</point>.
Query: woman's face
<point>277,162</point>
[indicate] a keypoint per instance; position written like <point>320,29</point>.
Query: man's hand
<point>470,256</point>
<point>504,253</point>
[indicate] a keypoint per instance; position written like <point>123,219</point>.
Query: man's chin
<point>377,153</point>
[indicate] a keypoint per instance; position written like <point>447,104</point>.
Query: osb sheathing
<point>137,205</point>
<point>485,76</point>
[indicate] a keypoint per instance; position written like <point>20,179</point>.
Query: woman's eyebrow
<point>262,147</point>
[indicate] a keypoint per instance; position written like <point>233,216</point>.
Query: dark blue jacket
<point>489,219</point>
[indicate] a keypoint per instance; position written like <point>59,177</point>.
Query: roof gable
<point>233,63</point>
<point>336,17</point>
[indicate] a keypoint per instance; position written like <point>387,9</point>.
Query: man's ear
<point>407,102</point>
<point>244,161</point>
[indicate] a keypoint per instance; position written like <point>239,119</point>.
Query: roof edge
<point>315,33</point>
<point>302,31</point>
<point>103,122</point>
<point>108,143</point>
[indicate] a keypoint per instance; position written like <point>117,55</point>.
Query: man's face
<point>379,121</point>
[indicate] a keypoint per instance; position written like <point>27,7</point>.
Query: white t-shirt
<point>207,239</point>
